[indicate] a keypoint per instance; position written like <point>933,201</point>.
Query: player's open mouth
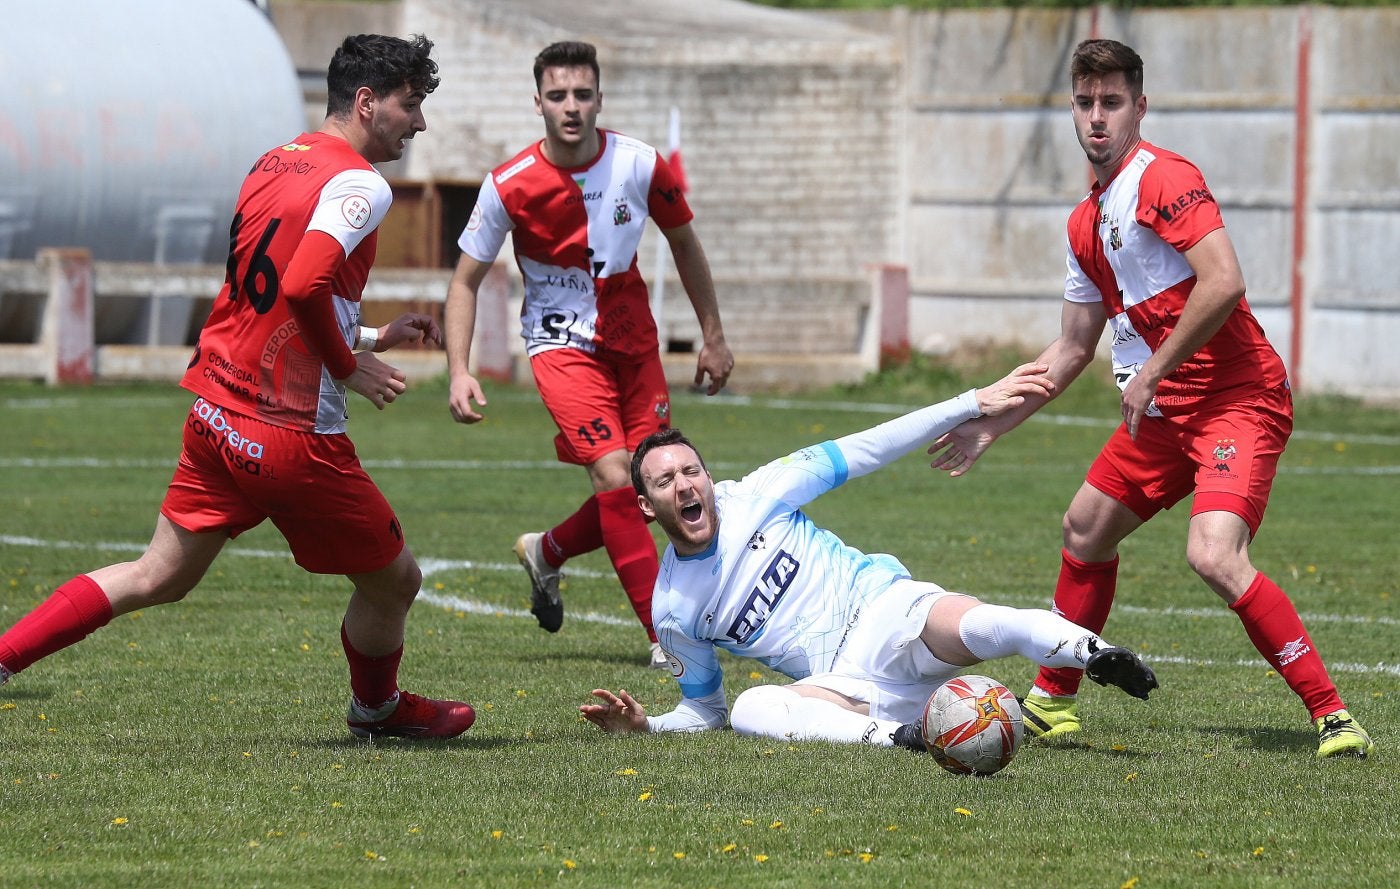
<point>691,512</point>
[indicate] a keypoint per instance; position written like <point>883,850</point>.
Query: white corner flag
<point>673,159</point>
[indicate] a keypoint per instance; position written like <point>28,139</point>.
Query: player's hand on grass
<point>618,714</point>
<point>379,382</point>
<point>464,390</point>
<point>410,327</point>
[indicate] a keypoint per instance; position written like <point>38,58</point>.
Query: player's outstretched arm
<point>1012,390</point>
<point>1027,387</point>
<point>619,714</point>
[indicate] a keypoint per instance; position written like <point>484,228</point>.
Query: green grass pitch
<point>204,743</point>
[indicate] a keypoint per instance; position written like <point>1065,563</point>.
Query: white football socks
<point>773,711</point>
<point>994,631</point>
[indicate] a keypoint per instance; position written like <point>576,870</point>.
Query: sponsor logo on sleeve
<point>1187,199</point>
<point>522,164</point>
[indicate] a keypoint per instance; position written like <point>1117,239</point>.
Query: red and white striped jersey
<point>251,356</point>
<point>575,233</point>
<point>1126,241</point>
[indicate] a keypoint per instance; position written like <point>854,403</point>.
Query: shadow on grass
<point>1279,740</point>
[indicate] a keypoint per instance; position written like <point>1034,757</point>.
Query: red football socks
<point>67,616</point>
<point>580,533</point>
<point>373,680</point>
<point>1083,595</point>
<point>631,548</point>
<point>1275,628</point>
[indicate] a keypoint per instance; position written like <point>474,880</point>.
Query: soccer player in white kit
<point>748,572</point>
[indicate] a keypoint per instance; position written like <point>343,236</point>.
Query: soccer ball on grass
<point>972,725</point>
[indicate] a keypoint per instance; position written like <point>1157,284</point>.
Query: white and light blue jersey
<point>772,585</point>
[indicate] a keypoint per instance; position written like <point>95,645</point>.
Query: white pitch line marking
<point>432,566</point>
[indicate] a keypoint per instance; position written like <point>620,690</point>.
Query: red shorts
<point>1226,455</point>
<point>601,405</point>
<point>235,471</point>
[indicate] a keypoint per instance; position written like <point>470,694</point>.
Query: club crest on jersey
<point>1115,240</point>
<point>621,213</point>
<point>296,146</point>
<point>662,409</point>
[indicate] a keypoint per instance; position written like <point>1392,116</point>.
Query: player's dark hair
<point>671,436</point>
<point>1095,58</point>
<point>567,54</point>
<point>381,63</point>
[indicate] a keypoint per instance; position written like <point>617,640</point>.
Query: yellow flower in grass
<point>776,825</point>
<point>866,857</point>
<point>679,856</point>
<point>760,858</point>
<point>1131,883</point>
<point>966,813</point>
<point>729,847</point>
<point>371,855</point>
<point>497,834</point>
<point>625,772</point>
<point>644,796</point>
<point>570,864</point>
<point>8,705</point>
<point>119,821</point>
<point>1258,851</point>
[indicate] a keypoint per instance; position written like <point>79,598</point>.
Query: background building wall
<point>826,149</point>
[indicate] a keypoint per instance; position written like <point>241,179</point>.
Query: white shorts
<point>884,663</point>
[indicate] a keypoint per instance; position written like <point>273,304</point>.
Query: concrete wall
<point>819,146</point>
<point>994,167</point>
<point>788,126</point>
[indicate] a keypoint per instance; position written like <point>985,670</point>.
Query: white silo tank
<point>129,125</point>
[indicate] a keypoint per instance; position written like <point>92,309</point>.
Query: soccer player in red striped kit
<point>265,437</point>
<point>1206,403</point>
<point>575,205</point>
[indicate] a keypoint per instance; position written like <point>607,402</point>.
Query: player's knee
<point>762,711</point>
<point>1213,563</point>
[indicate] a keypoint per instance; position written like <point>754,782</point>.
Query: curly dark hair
<point>381,63</point>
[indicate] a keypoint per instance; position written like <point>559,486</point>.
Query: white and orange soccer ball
<point>972,725</point>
